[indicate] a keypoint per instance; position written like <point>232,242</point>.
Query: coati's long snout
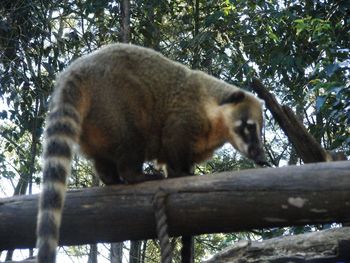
<point>257,154</point>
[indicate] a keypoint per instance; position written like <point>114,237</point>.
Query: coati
<point>125,104</point>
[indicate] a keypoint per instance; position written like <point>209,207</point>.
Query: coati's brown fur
<point>125,104</point>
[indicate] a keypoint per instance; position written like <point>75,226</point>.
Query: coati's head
<point>244,117</point>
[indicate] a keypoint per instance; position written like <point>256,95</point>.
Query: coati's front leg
<point>177,152</point>
<point>179,160</point>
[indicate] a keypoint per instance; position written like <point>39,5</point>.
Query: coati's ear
<point>234,97</point>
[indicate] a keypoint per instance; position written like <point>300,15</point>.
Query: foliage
<point>300,49</point>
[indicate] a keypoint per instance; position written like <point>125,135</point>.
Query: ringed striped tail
<point>61,133</point>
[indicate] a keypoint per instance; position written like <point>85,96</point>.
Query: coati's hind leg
<point>107,171</point>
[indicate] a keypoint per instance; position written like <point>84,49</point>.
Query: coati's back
<point>124,105</point>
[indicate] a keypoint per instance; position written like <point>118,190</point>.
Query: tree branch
<point>309,150</point>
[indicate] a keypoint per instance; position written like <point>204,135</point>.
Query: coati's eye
<point>251,127</point>
<point>246,130</point>
<point>239,127</point>
<point>245,127</point>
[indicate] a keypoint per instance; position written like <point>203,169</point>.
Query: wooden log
<point>225,202</point>
<point>332,245</point>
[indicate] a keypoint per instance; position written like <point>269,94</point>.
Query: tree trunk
<point>116,252</point>
<point>144,249</point>
<point>125,21</point>
<point>9,255</point>
<point>196,50</point>
<point>135,251</point>
<point>187,251</point>
<point>93,254</point>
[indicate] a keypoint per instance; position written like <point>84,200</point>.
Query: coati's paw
<point>111,180</point>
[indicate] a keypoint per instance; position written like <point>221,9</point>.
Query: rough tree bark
<point>125,33</point>
<point>93,253</point>
<point>232,201</point>
<point>196,50</point>
<point>116,254</point>
<point>135,251</point>
<point>327,246</point>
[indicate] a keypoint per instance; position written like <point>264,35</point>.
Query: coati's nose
<point>258,156</point>
<point>253,152</point>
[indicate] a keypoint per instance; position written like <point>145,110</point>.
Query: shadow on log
<point>225,202</point>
